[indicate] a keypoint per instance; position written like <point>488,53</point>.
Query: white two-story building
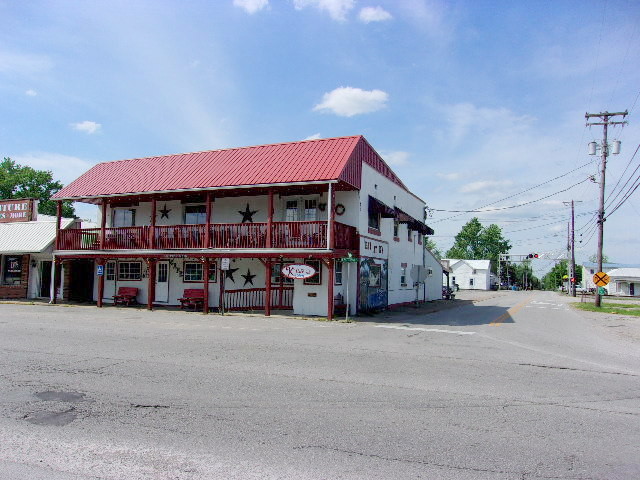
<point>228,221</point>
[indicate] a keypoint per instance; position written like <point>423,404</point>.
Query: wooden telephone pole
<point>606,121</point>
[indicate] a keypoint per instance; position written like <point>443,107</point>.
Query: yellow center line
<point>498,321</point>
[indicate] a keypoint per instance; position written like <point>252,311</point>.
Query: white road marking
<point>421,329</point>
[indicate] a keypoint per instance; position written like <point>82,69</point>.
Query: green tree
<point>594,258</point>
<point>431,245</point>
<point>475,242</point>
<point>17,181</point>
<point>555,278</point>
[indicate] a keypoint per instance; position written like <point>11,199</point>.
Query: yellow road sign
<point>601,279</point>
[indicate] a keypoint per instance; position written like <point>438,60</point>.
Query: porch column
<point>103,223</point>
<point>332,217</point>
<point>58,220</point>
<point>205,307</point>
<point>270,221</point>
<point>207,233</point>
<point>151,289</point>
<point>267,292</point>
<point>100,261</point>
<point>53,291</point>
<point>330,289</point>
<point>152,230</point>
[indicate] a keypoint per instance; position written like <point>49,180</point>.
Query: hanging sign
<point>298,271</point>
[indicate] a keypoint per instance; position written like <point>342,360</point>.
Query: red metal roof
<point>306,161</point>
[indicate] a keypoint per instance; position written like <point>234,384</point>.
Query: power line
<point>510,206</point>
<point>505,198</point>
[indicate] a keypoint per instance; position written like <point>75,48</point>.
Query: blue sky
<point>469,101</point>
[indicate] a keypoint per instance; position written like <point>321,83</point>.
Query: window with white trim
<point>110,273</point>
<point>192,272</point>
<point>277,276</point>
<point>129,271</point>
<point>195,214</point>
<point>403,276</point>
<point>291,211</point>
<point>124,217</point>
<point>338,272</point>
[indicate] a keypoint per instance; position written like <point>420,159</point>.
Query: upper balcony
<point>283,235</point>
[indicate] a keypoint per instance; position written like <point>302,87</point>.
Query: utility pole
<point>606,121</point>
<point>571,245</point>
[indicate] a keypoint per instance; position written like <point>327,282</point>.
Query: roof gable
<point>332,159</point>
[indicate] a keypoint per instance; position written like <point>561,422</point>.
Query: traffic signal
<point>532,255</point>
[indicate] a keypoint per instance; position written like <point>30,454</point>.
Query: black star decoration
<point>248,278</point>
<point>165,211</point>
<point>247,215</point>
<point>230,273</point>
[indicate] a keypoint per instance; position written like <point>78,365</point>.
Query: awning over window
<point>377,207</point>
<point>412,223</point>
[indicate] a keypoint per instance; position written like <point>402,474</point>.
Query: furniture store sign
<point>15,210</point>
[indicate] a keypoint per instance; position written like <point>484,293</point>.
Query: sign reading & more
<point>16,210</point>
<point>298,271</point>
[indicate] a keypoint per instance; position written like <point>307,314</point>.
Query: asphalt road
<point>517,386</point>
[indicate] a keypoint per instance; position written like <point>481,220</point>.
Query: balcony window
<point>310,210</point>
<point>291,212</point>
<point>124,217</point>
<point>195,214</point>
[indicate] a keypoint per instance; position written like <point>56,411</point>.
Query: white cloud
<point>448,176</point>
<point>396,158</point>
<point>484,186</point>
<point>251,6</point>
<point>374,14</point>
<point>31,93</point>
<point>337,9</point>
<point>315,136</point>
<point>350,101</point>
<point>24,63</point>
<point>64,167</point>
<point>87,126</point>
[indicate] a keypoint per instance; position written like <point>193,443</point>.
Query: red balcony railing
<point>284,235</point>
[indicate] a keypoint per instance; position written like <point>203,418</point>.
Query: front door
<point>45,278</point>
<point>632,289</point>
<point>162,282</point>
<point>109,280</point>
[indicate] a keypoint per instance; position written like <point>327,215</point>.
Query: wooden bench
<point>339,307</point>
<point>125,296</point>
<point>192,298</point>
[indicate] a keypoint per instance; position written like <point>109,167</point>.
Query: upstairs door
<point>162,282</point>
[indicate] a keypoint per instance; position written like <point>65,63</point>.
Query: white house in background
<point>624,281</point>
<point>471,274</point>
<point>589,269</point>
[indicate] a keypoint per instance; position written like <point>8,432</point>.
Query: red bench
<point>192,298</point>
<point>125,296</point>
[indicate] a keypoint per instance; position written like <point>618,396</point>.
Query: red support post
<point>205,307</point>
<point>55,280</point>
<point>103,223</point>
<point>152,230</point>
<point>207,233</point>
<point>332,218</point>
<point>267,292</point>
<point>270,219</point>
<point>58,220</point>
<point>151,296</point>
<point>329,289</point>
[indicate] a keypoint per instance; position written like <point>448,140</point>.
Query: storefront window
<point>12,270</point>
<point>129,271</point>
<point>193,272</point>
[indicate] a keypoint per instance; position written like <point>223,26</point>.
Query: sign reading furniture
<point>20,210</point>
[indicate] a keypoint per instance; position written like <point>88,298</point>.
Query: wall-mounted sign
<point>224,264</point>
<point>298,271</point>
<point>16,210</point>
<point>100,270</point>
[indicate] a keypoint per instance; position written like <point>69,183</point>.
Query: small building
<point>589,269</point>
<point>232,223</point>
<point>26,249</point>
<point>434,274</point>
<point>470,274</point>
<point>624,282</point>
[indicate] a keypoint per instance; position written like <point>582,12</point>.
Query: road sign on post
<point>601,279</point>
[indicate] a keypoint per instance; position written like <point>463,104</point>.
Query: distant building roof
<point>332,159</point>
<point>475,264</point>
<point>609,265</point>
<point>625,273</point>
<point>30,237</point>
